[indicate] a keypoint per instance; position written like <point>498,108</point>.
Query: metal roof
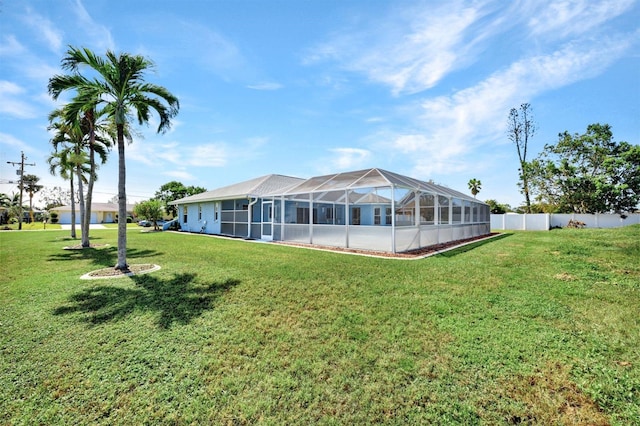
<point>250,188</point>
<point>277,185</point>
<point>368,178</point>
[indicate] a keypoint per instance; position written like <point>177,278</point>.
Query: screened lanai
<point>371,209</point>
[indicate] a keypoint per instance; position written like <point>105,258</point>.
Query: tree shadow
<point>101,256</point>
<point>176,300</point>
<point>471,246</point>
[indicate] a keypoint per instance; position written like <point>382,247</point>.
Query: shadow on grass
<point>471,246</point>
<point>176,300</point>
<point>101,256</point>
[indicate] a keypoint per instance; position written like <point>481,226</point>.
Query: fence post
<point>547,221</point>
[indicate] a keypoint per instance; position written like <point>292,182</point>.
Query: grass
<point>530,328</point>
<point>33,226</point>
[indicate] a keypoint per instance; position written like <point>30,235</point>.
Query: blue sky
<point>302,88</point>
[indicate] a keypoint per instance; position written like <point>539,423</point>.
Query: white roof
<point>95,207</point>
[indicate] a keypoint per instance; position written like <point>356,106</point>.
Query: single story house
<point>371,209</point>
<point>100,213</point>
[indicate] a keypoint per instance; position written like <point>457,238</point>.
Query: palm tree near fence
<point>118,90</point>
<point>475,186</point>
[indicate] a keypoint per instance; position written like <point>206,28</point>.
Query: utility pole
<point>21,173</point>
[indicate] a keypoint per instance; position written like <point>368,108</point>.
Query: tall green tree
<point>150,210</point>
<point>76,132</point>
<point>588,173</point>
<point>30,184</point>
<point>520,129</point>
<point>118,90</point>
<point>64,162</point>
<point>475,186</point>
<point>175,190</point>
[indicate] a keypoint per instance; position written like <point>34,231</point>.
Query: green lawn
<point>529,328</point>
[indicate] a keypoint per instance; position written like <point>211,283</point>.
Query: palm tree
<point>64,162</point>
<point>77,134</point>
<point>5,204</point>
<point>475,186</point>
<point>119,91</point>
<point>30,184</point>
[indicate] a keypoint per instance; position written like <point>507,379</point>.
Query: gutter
<point>249,211</point>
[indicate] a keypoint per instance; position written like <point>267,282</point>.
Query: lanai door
<point>267,220</point>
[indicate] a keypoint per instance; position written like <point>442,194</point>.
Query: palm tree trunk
<point>73,207</point>
<point>81,198</point>
<point>122,203</point>
<point>92,174</point>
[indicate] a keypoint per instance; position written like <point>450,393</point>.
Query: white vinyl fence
<point>546,221</point>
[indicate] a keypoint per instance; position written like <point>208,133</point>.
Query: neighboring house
<point>100,213</point>
<point>370,209</point>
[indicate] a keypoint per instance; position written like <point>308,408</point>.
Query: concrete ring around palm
<point>108,273</point>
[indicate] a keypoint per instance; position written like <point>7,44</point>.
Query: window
<point>443,206</point>
<point>323,214</point>
<point>427,209</point>
<point>302,215</point>
<point>199,211</point>
<point>457,210</point>
<point>376,216</point>
<point>215,212</point>
<point>355,215</point>
<point>388,216</point>
<point>184,214</point>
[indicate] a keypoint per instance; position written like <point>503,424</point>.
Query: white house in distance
<point>100,213</point>
<point>370,209</point>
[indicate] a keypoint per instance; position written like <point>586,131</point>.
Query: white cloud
<point>349,158</point>
<point>45,30</point>
<point>96,34</point>
<point>209,155</point>
<point>10,46</point>
<point>561,18</point>
<point>265,86</point>
<point>12,101</point>
<point>182,175</point>
<point>12,141</point>
<point>410,51</point>
<point>452,127</point>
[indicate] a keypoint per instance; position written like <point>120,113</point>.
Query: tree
<point>520,129</point>
<point>64,162</point>
<point>497,208</point>
<point>475,186</point>
<point>75,145</point>
<point>12,207</point>
<point>119,90</point>
<point>150,210</point>
<point>588,173</point>
<point>174,190</point>
<point>5,204</point>
<point>56,196</point>
<point>30,184</point>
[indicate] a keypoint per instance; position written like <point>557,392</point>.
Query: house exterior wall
<point>200,217</point>
<point>65,218</point>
